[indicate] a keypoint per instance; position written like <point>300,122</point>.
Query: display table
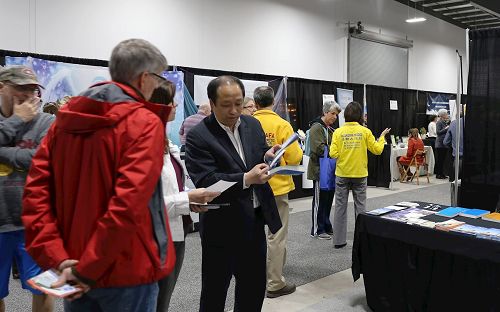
<point>412,268</point>
<point>401,151</point>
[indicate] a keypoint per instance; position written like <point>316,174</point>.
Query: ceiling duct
<point>360,33</point>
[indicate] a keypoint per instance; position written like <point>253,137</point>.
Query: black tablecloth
<point>412,268</point>
<point>379,168</point>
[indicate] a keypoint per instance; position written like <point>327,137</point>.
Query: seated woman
<point>414,143</point>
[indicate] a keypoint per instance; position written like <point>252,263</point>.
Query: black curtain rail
<point>56,58</point>
<point>217,73</point>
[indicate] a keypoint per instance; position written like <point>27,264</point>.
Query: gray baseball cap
<point>19,75</point>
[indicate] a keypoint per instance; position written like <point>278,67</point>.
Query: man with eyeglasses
<point>92,206</point>
<point>22,128</point>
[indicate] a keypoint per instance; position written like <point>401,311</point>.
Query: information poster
<point>437,101</point>
<point>344,96</point>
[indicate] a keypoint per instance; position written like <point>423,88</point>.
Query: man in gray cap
<point>22,128</point>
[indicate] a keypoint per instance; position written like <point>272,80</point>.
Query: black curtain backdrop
<point>307,96</point>
<point>481,162</point>
<point>380,116</point>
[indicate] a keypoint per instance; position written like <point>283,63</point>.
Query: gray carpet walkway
<point>308,259</point>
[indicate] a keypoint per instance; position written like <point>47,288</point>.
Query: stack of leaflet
<point>451,212</point>
<point>494,216</point>
<point>381,211</point>
<point>491,233</point>
<point>422,222</point>
<point>408,214</point>
<point>408,204</point>
<point>479,232</point>
<point>448,224</point>
<point>474,213</point>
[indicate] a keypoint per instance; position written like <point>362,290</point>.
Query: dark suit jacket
<point>210,157</point>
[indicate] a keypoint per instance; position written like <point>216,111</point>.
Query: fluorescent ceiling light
<point>416,19</point>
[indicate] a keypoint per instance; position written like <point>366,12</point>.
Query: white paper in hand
<point>220,186</point>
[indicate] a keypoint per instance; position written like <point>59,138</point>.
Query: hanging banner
<point>344,96</point>
<point>61,79</point>
<point>280,106</point>
<point>177,78</point>
<point>437,101</point>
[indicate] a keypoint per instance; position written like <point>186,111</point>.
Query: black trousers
<point>321,209</point>
<point>166,285</point>
<point>245,259</point>
<point>441,153</point>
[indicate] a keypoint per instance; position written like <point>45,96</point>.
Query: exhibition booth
<point>298,100</point>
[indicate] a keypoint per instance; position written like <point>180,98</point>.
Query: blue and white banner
<point>437,101</point>
<point>173,127</point>
<point>61,79</point>
<point>344,97</point>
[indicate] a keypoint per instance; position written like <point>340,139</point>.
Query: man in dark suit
<point>232,147</point>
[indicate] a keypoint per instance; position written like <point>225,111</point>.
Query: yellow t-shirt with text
<point>350,144</point>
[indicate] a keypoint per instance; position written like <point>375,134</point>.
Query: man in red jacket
<point>92,205</point>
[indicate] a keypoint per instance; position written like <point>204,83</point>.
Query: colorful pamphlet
<point>407,214</point>
<point>474,213</point>
<point>448,224</point>
<point>451,212</point>
<point>408,204</point>
<point>379,211</point>
<point>277,155</point>
<point>44,280</point>
<point>287,170</point>
<point>494,216</point>
<point>384,210</point>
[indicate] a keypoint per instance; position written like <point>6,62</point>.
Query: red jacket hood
<point>104,105</point>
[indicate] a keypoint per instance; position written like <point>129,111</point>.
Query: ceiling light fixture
<point>414,19</point>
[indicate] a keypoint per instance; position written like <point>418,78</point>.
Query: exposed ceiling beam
<point>457,12</point>
<point>468,15</point>
<point>454,5</point>
<point>492,5</point>
<point>431,12</point>
<point>437,2</point>
<point>484,24</point>
<point>475,20</point>
<point>486,9</point>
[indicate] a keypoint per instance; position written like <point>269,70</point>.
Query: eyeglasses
<point>249,107</point>
<point>159,77</point>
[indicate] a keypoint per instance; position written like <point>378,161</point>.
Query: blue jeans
<point>140,298</point>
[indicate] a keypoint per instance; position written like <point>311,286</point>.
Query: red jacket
<point>93,192</point>
<point>414,144</point>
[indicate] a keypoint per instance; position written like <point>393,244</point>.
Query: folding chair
<point>417,165</point>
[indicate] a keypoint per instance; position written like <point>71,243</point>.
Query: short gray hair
<point>331,106</point>
<point>442,112</point>
<point>132,57</point>
<point>263,96</point>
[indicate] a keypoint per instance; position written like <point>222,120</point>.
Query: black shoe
<point>440,177</point>
<point>340,246</point>
<point>288,289</point>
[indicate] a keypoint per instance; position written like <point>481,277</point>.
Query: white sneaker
<point>324,236</point>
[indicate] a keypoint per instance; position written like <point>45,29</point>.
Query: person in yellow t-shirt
<point>277,131</point>
<point>350,144</point>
